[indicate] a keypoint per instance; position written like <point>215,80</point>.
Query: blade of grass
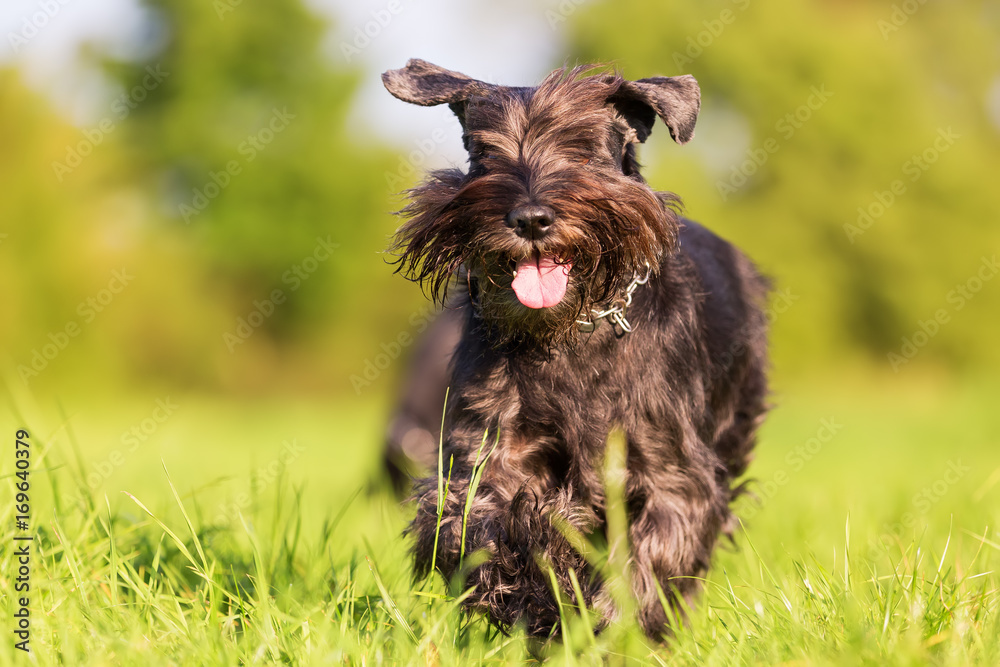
<point>113,553</point>
<point>442,488</point>
<point>477,474</point>
<point>177,541</point>
<point>390,604</point>
<point>563,624</point>
<point>187,519</point>
<point>582,606</point>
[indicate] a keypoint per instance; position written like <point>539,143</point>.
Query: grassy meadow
<point>238,533</point>
<point>202,330</point>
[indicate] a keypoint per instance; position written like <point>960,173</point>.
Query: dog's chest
<point>583,388</point>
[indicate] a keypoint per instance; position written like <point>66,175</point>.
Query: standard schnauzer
<point>578,302</point>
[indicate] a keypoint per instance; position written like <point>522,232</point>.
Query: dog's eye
<point>483,158</point>
<point>585,161</point>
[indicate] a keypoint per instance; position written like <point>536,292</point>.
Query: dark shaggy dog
<point>585,304</point>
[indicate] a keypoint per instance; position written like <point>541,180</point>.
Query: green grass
<point>189,552</point>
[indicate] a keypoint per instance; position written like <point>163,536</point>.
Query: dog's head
<point>552,216</point>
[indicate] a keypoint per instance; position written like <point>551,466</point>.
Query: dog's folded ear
<point>675,99</point>
<point>426,84</point>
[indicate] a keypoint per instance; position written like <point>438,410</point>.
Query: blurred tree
<point>242,132</point>
<point>850,148</point>
<point>238,123</point>
<point>30,134</point>
<point>45,244</point>
<point>812,113</point>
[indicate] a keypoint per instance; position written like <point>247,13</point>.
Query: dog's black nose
<point>531,222</point>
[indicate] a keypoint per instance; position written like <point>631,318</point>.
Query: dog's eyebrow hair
<point>498,141</point>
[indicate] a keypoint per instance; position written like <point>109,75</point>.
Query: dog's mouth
<point>540,280</point>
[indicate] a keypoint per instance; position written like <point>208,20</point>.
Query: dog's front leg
<point>677,507</point>
<point>506,541</point>
<point>441,516</point>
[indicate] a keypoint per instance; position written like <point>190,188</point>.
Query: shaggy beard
<point>608,230</point>
<point>509,323</point>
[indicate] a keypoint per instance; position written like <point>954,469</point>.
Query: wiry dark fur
<point>687,386</point>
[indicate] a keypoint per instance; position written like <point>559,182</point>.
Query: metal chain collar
<point>618,307</point>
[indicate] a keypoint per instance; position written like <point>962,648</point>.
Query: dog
<point>578,302</point>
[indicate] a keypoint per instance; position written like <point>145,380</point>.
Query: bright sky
<point>510,43</point>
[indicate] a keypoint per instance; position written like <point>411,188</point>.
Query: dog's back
<point>732,308</point>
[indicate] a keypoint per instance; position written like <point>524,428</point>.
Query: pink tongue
<point>540,283</point>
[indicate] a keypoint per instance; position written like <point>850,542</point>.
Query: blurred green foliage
<point>228,155</point>
<point>222,174</point>
<point>893,79</point>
